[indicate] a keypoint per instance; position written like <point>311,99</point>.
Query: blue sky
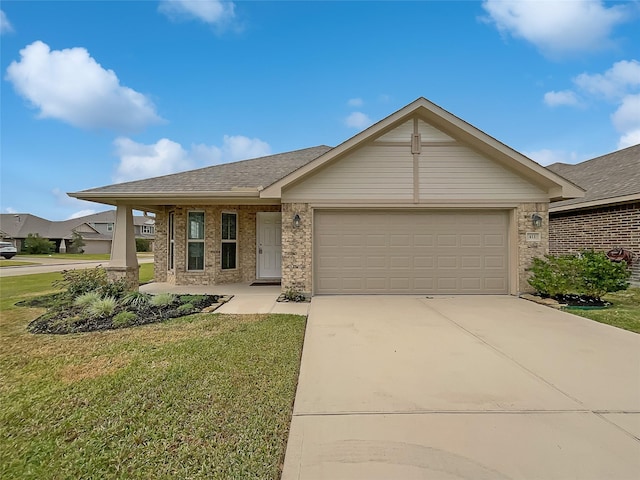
<point>97,92</point>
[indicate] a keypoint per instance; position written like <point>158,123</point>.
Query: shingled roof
<point>611,178</point>
<point>225,177</point>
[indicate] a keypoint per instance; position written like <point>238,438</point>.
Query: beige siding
<point>399,134</point>
<point>384,172</point>
<point>97,246</point>
<point>431,134</point>
<point>456,172</point>
<point>373,172</point>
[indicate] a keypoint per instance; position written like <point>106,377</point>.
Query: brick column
<point>528,250</point>
<point>297,251</point>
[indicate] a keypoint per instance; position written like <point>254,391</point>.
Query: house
<point>608,216</point>
<point>421,202</point>
<point>96,230</point>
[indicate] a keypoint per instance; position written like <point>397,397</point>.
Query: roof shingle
<point>610,176</point>
<point>258,172</point>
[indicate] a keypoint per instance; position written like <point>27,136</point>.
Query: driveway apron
<point>463,387</point>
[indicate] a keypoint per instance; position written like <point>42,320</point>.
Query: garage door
<point>361,252</point>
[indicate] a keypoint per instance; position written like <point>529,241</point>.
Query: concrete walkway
<point>463,387</point>
<point>246,299</point>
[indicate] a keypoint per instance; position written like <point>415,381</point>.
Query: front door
<point>269,245</point>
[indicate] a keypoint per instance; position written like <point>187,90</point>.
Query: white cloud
<point>213,12</point>
<point>558,27</point>
<point>612,84</point>
<point>138,161</point>
<point>5,24</point>
<point>355,102</point>
<point>626,119</point>
<point>81,213</point>
<point>564,97</point>
<point>547,157</point>
<point>71,86</point>
<point>10,210</point>
<point>357,120</point>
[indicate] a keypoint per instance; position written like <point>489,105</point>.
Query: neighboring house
<point>96,230</point>
<point>419,203</point>
<point>608,216</point>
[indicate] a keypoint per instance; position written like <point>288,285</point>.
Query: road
<point>48,265</point>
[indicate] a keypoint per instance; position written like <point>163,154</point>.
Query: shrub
<point>78,282</point>
<point>293,295</point>
<point>185,308</point>
<point>194,299</point>
<point>114,289</point>
<point>137,300</point>
<point>600,275</point>
<point>143,245</point>
<point>124,319</point>
<point>87,299</point>
<point>35,244</point>
<point>162,299</point>
<point>588,273</point>
<point>102,307</point>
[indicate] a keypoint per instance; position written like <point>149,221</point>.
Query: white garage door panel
<point>361,252</point>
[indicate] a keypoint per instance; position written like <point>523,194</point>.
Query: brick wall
<point>600,229</point>
<point>212,273</point>
<point>297,249</point>
<point>527,251</point>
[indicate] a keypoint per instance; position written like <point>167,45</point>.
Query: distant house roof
<point>611,178</point>
<point>20,225</point>
<point>228,178</point>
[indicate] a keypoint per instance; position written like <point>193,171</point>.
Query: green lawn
<point>205,396</point>
<point>14,263</point>
<point>623,313</point>
<point>70,256</point>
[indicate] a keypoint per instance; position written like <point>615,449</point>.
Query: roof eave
<point>155,200</point>
<point>595,203</point>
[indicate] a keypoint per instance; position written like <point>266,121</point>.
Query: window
<point>229,240</point>
<point>148,229</point>
<point>172,238</point>
<point>109,227</point>
<point>195,241</point>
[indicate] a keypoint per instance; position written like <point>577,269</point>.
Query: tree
<point>77,242</point>
<point>143,245</point>
<point>35,244</point>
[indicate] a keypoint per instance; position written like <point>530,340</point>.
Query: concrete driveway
<point>463,387</point>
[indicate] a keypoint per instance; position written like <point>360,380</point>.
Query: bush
<point>86,299</point>
<point>162,300</point>
<point>137,300</point>
<point>588,273</point>
<point>185,308</point>
<point>124,319</point>
<point>143,245</point>
<point>37,245</point>
<point>102,307</point>
<point>78,282</point>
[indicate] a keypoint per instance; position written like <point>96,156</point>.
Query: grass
<point>204,396</point>
<point>71,256</point>
<point>623,313</point>
<point>14,263</point>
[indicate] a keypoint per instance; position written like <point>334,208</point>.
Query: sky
<point>99,92</point>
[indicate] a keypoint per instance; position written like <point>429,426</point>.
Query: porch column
<point>124,262</point>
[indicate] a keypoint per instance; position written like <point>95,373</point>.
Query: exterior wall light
<point>296,221</point>
<point>537,220</point>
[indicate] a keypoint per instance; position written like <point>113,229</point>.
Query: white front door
<point>269,245</point>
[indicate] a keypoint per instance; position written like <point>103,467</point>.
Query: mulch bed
<point>64,318</point>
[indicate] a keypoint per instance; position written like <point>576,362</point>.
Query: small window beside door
<point>229,240</point>
<point>195,241</point>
